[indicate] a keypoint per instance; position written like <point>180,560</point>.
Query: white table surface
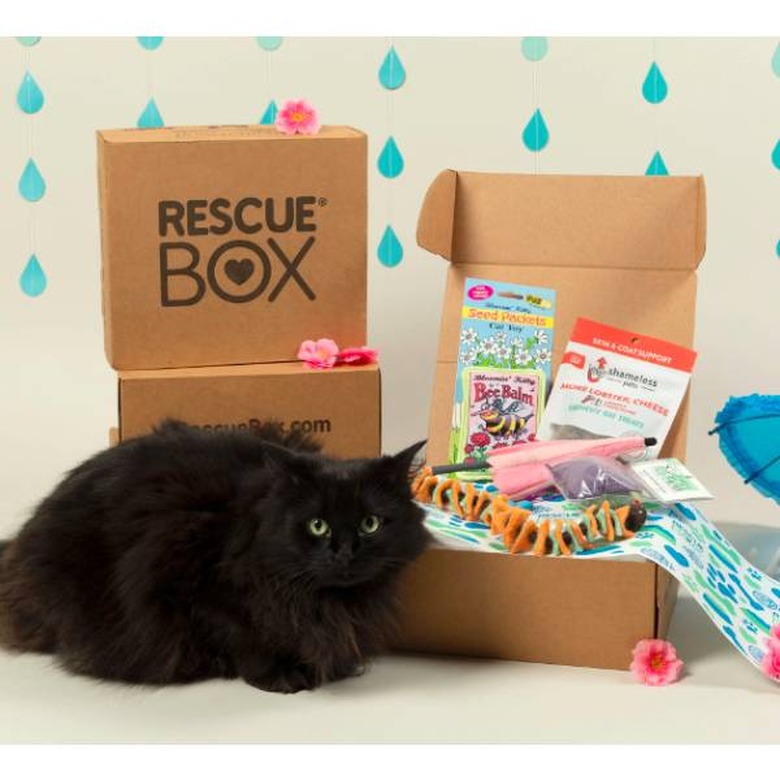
<point>722,698</point>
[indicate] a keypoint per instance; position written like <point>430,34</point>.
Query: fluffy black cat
<point>185,555</point>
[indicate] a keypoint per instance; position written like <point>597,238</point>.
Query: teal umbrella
<point>748,428</point>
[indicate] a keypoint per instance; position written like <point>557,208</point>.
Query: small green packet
<point>670,481</point>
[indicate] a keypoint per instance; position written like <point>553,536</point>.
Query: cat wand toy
<point>523,469</point>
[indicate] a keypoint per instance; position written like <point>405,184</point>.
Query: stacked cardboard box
<point>617,249</point>
<point>223,249</point>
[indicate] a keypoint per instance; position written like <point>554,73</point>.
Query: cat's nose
<point>344,554</point>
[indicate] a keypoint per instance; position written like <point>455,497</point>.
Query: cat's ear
<point>407,462</point>
<point>286,462</point>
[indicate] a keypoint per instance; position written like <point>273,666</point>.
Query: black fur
<point>185,555</point>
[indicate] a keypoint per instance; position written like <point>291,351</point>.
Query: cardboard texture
<point>230,245</point>
<point>341,407</point>
<point>559,611</point>
<point>622,250</point>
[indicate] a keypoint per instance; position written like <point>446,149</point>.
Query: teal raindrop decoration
<point>535,49</point>
<point>657,166</point>
<point>28,41</point>
<point>391,161</point>
<point>269,43</point>
<point>149,42</point>
<point>392,73</point>
<point>776,61</point>
<point>654,87</point>
<point>33,279</point>
<point>536,135</point>
<point>269,115</point>
<point>150,116</point>
<point>32,186</point>
<point>390,252</point>
<point>29,97</point>
<point>777,247</point>
<point>776,156</point>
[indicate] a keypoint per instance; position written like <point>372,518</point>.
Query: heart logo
<point>238,271</point>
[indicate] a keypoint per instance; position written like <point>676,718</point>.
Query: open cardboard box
<point>622,250</point>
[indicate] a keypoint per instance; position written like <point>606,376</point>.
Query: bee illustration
<point>504,421</point>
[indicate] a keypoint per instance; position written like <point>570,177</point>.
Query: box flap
<point>555,220</point>
<point>437,214</point>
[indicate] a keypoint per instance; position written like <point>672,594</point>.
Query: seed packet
<point>500,407</point>
<point>612,383</point>
<point>506,337</point>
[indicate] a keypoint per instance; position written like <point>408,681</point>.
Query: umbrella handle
<point>740,420</point>
<point>762,469</point>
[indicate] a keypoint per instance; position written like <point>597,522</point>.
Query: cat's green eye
<point>318,527</point>
<point>370,524</point>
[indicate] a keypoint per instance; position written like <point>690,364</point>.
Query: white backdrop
<point>464,105</point>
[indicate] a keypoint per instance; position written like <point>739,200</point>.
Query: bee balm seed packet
<point>504,367</point>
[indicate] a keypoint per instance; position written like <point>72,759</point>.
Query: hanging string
<point>150,116</point>
<point>535,100</point>
<point>392,76</point>
<point>269,45</point>
<point>389,99</point>
<point>654,91</point>
<point>776,149</point>
<point>535,134</point>
<point>32,185</point>
<point>655,124</point>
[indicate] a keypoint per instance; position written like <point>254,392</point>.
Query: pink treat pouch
<point>612,382</point>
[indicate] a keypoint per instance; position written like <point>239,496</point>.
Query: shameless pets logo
<point>277,237</point>
<point>596,370</point>
<point>600,369</point>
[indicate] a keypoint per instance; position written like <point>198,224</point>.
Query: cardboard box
<point>617,249</point>
<point>549,610</point>
<point>230,245</point>
<point>341,407</point>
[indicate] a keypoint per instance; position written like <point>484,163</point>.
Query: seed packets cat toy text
<point>504,366</point>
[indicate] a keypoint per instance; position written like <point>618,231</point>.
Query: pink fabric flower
<point>319,354</point>
<point>770,665</point>
<point>357,356</point>
<point>656,662</point>
<point>297,116</point>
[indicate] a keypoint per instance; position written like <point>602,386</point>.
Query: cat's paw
<point>287,678</point>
